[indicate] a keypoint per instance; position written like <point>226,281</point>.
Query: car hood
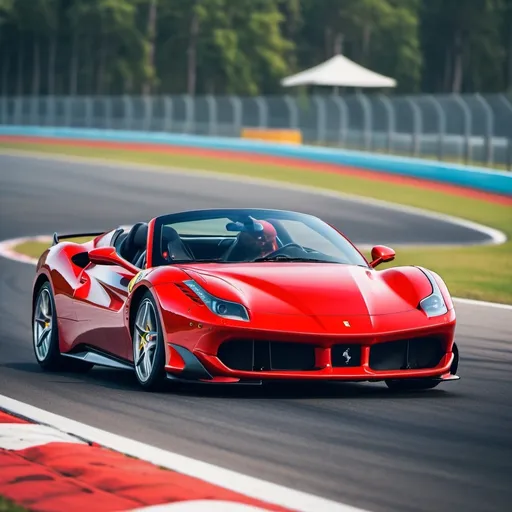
<point>312,289</point>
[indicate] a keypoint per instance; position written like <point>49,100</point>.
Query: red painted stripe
<point>9,418</point>
<point>271,160</point>
<point>39,488</point>
<point>58,477</point>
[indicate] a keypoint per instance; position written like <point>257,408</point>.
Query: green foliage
<point>247,46</point>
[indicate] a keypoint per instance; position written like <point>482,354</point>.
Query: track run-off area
<point>355,444</point>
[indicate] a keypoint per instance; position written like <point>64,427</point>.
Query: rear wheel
<point>148,345</point>
<point>45,335</point>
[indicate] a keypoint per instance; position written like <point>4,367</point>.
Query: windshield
<point>249,235</point>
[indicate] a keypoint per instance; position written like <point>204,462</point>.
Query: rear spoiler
<point>57,238</point>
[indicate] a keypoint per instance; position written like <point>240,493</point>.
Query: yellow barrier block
<point>273,135</point>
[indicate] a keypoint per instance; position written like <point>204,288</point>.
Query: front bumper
<point>427,357</point>
<point>405,346</point>
<point>359,373</point>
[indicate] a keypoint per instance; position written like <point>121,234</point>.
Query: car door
<point>99,303</point>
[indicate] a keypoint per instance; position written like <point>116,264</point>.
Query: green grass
<point>9,506</point>
<point>480,272</point>
<point>34,249</point>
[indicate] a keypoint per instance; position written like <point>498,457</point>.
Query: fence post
<point>127,112</point>
<point>262,111</point>
<point>236,104</point>
<point>344,118</point>
<point>88,111</point>
<point>508,106</point>
<point>489,128</point>
<point>293,111</point>
<point>189,114</point>
<point>418,125</point>
<point>68,101</point>
<point>367,115</point>
<point>468,128</point>
<point>390,111</point>
<point>17,110</point>
<point>5,116</point>
<point>320,119</point>
<point>33,110</point>
<point>148,112</point>
<point>212,114</point>
<point>509,154</point>
<point>441,125</point>
<point>167,113</point>
<point>107,105</point>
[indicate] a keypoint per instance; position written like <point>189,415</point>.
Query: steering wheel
<point>283,249</point>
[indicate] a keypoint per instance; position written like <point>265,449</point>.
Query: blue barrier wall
<point>474,177</point>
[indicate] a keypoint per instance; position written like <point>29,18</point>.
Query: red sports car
<point>240,296</point>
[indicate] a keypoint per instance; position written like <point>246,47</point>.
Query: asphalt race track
<point>442,450</point>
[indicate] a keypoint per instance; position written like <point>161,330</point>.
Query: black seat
<point>176,248</point>
<point>238,252</point>
<point>135,243</point>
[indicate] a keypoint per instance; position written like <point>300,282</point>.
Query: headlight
<point>220,307</point>
<point>434,304</point>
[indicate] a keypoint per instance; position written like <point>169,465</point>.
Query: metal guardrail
<point>462,128</point>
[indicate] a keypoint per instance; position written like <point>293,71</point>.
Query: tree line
<point>246,47</point>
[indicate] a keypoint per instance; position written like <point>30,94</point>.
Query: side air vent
<point>189,293</point>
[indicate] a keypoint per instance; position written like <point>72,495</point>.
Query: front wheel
<point>45,334</point>
<point>148,345</point>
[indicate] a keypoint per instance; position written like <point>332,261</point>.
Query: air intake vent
<point>189,293</point>
<point>259,355</point>
<point>412,354</point>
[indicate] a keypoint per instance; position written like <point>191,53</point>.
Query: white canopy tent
<point>339,71</point>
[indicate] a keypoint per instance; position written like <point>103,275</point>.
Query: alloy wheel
<point>145,340</point>
<point>43,324</point>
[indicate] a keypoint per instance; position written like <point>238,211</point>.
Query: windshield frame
<point>332,234</point>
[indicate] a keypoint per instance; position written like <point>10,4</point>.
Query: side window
<point>308,237</point>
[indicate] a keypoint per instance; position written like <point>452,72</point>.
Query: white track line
<point>246,485</point>
<point>471,302</point>
<point>201,505</point>
<point>496,237</point>
<point>18,436</point>
<point>7,252</point>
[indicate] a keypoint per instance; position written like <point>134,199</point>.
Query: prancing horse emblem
<point>347,356</point>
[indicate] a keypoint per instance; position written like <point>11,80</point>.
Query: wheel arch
<point>135,300</point>
<point>40,280</point>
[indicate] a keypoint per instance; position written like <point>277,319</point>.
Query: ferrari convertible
<point>240,296</point>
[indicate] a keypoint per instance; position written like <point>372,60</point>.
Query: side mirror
<point>109,256</point>
<point>381,254</point>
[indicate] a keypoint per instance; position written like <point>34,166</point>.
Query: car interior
<point>132,244</point>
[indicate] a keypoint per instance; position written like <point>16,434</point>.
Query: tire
<point>411,385</point>
<point>148,345</point>
<point>45,335</point>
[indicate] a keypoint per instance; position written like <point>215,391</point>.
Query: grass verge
<point>9,506</point>
<point>480,272</point>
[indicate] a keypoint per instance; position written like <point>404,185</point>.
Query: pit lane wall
<point>497,182</point>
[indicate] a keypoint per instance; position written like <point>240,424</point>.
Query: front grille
<point>256,355</point>
<point>346,355</point>
<point>411,354</point>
